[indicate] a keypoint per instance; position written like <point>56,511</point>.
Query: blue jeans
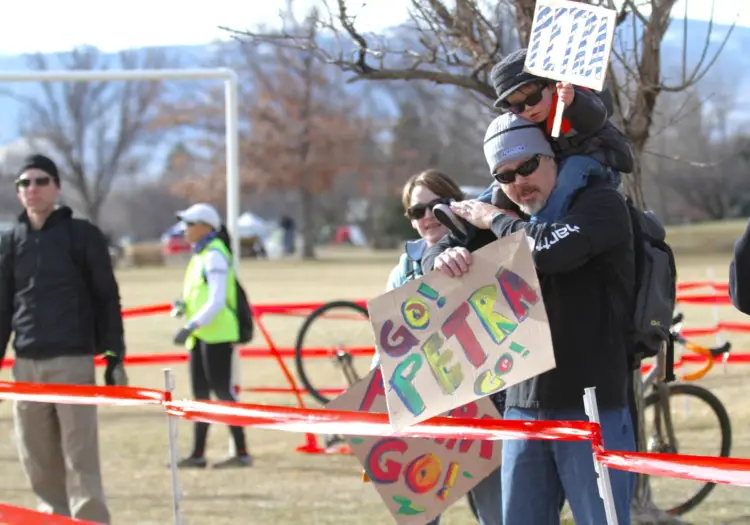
<point>487,496</point>
<point>537,474</point>
<point>573,173</point>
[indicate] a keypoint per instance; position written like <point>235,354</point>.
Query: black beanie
<point>40,162</point>
<point>508,75</point>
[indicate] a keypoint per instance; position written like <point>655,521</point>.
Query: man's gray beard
<point>533,210</point>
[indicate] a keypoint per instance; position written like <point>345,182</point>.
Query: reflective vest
<point>224,327</point>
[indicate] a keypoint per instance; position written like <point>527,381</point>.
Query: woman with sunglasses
<point>209,305</point>
<point>421,193</point>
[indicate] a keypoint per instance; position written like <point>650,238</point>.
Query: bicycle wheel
<point>341,357</point>
<point>707,405</point>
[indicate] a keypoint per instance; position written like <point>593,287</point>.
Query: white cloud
<point>119,25</point>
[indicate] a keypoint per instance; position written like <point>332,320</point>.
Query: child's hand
<point>565,93</point>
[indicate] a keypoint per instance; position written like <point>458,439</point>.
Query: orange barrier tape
<point>703,299</point>
<point>81,394</point>
<point>708,469</point>
<point>258,309</point>
<point>10,515</point>
<point>692,285</point>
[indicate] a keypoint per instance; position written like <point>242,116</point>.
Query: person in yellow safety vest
<point>209,300</point>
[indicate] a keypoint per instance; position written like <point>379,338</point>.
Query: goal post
<point>231,103</point>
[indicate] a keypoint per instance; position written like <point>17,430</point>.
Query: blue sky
<point>120,25</point>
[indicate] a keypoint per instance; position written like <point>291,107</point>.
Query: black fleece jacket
<point>586,268</point>
<point>58,292</point>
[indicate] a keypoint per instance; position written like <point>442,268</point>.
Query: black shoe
<point>242,461</point>
<point>192,462</point>
<point>457,226</point>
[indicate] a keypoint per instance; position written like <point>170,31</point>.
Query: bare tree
<point>93,129</point>
<point>301,130</point>
<point>459,46</point>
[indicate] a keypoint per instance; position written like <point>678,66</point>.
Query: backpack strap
<point>78,254</point>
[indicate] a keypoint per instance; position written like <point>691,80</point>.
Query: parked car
<point>173,242</point>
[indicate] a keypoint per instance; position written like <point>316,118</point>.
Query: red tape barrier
<point>10,515</point>
<point>692,285</point>
<point>732,471</point>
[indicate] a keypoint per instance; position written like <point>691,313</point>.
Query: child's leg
<point>460,229</point>
<point>573,173</point>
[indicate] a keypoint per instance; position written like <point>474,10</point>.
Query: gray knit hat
<point>511,138</point>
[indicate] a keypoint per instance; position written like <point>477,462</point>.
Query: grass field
<point>286,487</point>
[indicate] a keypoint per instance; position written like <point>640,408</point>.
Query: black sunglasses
<point>418,211</point>
<point>524,170</point>
<point>531,100</point>
<point>39,181</point>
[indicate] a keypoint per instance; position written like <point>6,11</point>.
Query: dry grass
<point>286,487</point>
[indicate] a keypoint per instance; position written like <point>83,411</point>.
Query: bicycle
<point>341,356</point>
<point>659,394</point>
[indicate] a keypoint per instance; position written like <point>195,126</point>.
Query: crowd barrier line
<point>731,471</point>
<point>304,309</point>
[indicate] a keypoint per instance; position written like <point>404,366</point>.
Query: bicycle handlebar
<point>709,353</point>
<point>720,350</point>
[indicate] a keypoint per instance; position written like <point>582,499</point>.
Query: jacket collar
<point>415,249</point>
<point>199,246</point>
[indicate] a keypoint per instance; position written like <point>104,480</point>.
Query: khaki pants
<point>58,444</point>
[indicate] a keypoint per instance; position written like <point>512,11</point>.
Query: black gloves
<point>182,335</point>
<point>115,374</point>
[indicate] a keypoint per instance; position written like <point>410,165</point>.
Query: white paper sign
<point>571,42</point>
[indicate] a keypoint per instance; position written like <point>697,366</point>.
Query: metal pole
<point>169,386</point>
<point>233,162</point>
<point>605,485</point>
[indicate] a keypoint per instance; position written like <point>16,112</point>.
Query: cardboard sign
<point>444,342</point>
<point>571,42</point>
<point>419,478</point>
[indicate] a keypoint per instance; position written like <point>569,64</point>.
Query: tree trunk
<point>307,200</point>
<point>632,182</point>
<point>307,212</point>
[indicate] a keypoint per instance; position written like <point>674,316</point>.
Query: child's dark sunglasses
<point>524,170</point>
<point>531,100</point>
<point>418,211</point>
<point>39,181</point>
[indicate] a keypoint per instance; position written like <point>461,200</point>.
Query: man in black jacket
<point>739,273</point>
<point>586,268</point>
<point>58,295</point>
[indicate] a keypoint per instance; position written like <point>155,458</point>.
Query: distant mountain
<point>729,69</point>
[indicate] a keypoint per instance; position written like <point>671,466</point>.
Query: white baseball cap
<point>201,212</point>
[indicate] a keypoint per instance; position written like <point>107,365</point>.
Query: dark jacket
<point>52,304</point>
<point>587,130</point>
<point>739,273</point>
<point>586,268</point>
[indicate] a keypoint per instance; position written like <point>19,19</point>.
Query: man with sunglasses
<point>589,146</point>
<point>586,266</point>
<point>59,297</point>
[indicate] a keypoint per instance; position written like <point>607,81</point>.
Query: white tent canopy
<point>250,225</point>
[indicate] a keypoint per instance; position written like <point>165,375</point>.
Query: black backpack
<point>244,312</point>
<point>655,285</point>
